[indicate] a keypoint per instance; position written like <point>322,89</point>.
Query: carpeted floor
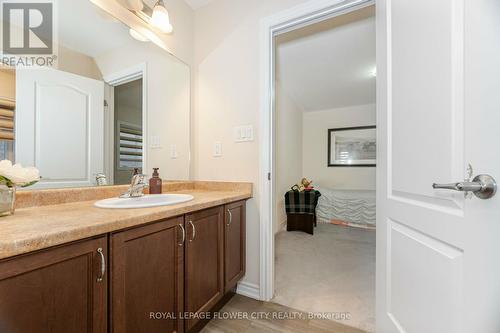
<point>332,271</point>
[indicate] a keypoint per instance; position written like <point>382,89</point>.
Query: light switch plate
<point>243,133</point>
<point>173,152</point>
<point>155,142</point>
<point>217,149</point>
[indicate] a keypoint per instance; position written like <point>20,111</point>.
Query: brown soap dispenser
<point>155,182</point>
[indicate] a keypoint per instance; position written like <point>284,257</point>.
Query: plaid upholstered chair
<point>301,210</point>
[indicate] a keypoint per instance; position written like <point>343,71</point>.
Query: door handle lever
<point>483,186</point>
<point>463,186</point>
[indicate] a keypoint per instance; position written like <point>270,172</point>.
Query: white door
<point>60,126</point>
<point>438,253</point>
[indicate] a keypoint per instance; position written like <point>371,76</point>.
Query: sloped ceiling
<point>329,64</point>
<point>87,29</point>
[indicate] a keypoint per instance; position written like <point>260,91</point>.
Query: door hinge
<point>268,176</point>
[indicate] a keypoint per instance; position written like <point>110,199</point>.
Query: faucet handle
<point>137,179</point>
<point>137,185</point>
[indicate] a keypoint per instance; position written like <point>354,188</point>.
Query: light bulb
<point>161,19</point>
<point>137,36</point>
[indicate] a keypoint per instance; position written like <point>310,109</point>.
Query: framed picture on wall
<point>352,147</point>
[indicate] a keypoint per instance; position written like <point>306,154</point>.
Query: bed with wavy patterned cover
<point>355,208</point>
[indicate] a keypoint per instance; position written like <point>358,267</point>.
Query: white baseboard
<point>249,290</point>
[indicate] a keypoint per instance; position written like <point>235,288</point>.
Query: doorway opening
<point>128,131</point>
<point>125,123</point>
<point>324,129</point>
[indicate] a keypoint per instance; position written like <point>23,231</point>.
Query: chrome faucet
<point>101,179</point>
<point>137,186</point>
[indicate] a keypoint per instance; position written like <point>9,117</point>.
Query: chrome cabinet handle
<point>183,235</point>
<point>483,186</point>
<point>103,265</point>
<point>194,231</point>
<point>230,217</point>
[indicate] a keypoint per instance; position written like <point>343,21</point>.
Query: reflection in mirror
<point>128,130</point>
<point>112,105</point>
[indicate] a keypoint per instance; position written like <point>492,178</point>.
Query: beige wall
<point>77,63</point>
<point>315,143</point>
<point>289,153</point>
<point>226,61</point>
<point>8,83</point>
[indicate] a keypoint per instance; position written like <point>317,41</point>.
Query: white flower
<point>18,175</point>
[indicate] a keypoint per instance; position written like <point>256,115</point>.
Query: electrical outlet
<point>218,149</point>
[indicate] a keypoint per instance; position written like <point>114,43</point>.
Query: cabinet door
<point>204,262</point>
<point>147,271</point>
<point>234,244</point>
<point>58,290</point>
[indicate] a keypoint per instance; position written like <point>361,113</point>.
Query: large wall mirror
<point>111,105</point>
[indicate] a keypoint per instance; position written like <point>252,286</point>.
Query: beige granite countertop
<point>40,227</point>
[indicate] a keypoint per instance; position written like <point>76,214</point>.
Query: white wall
<point>168,103</point>
<point>315,148</point>
<point>226,61</point>
<point>289,153</point>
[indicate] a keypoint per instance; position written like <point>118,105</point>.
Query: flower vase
<point>7,200</point>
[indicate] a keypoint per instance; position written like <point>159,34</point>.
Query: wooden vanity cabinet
<point>178,266</point>
<point>204,266</point>
<point>147,278</point>
<point>159,275</point>
<point>234,244</point>
<point>59,290</point>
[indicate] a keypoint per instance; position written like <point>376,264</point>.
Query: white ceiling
<point>329,64</point>
<point>195,4</point>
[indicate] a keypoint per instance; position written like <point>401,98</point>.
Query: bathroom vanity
<point>73,267</point>
<point>111,107</point>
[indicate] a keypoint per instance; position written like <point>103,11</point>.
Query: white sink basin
<point>147,201</point>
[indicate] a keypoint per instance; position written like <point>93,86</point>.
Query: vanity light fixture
<point>137,36</point>
<point>160,18</point>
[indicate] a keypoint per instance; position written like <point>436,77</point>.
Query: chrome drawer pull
<point>194,231</point>
<point>230,217</point>
<point>103,265</point>
<point>183,235</point>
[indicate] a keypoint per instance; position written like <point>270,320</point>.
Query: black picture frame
<point>330,131</point>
